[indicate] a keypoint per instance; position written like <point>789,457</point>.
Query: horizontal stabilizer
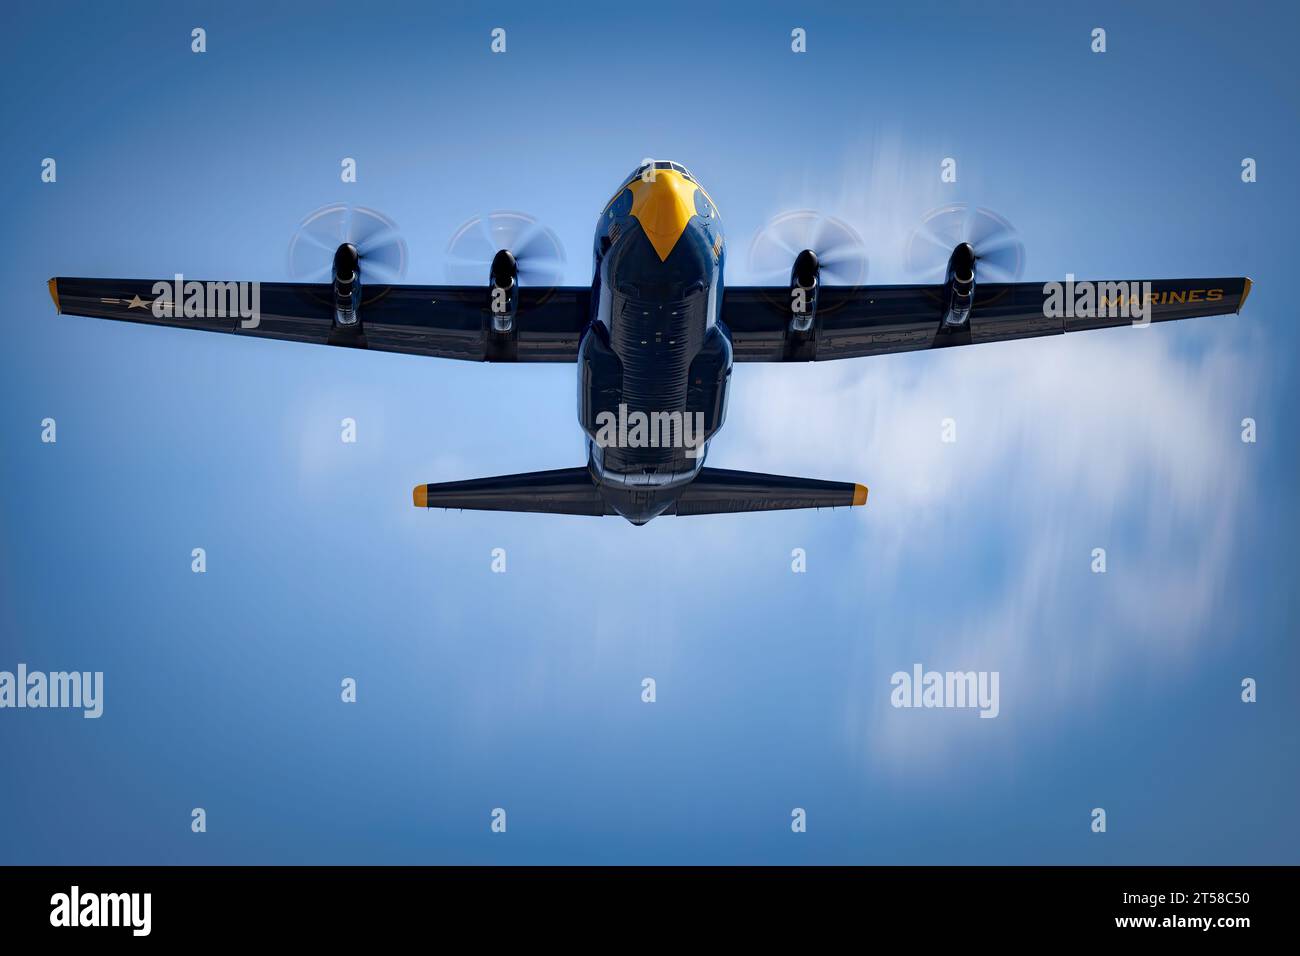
<point>571,491</point>
<point>720,491</point>
<point>564,491</point>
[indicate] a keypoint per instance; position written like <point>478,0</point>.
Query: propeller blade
<point>390,255</point>
<point>380,248</point>
<point>541,274</point>
<point>983,227</point>
<point>539,255</point>
<point>999,253</point>
<point>1003,263</point>
<point>840,250</point>
<point>539,244</point>
<point>375,272</point>
<point>366,227</point>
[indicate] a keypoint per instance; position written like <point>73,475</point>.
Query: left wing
<point>878,320</point>
<point>444,321</point>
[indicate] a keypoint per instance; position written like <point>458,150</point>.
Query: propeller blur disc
<point>538,253</point>
<point>999,253</point>
<point>380,248</point>
<point>840,250</point>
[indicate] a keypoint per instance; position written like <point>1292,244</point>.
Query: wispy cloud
<point>1127,440</point>
<point>1110,440</point>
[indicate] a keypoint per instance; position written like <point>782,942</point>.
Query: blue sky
<point>522,690</point>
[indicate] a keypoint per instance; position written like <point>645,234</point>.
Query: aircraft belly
<point>655,342</point>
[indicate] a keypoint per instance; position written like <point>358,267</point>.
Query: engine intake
<point>503,291</point>
<point>805,280</point>
<point>961,285</point>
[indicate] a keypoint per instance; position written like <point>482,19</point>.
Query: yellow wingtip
<point>1245,292</point>
<point>54,294</point>
<point>859,495</point>
<point>420,495</point>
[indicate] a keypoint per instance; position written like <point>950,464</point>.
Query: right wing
<point>444,321</point>
<point>878,320</point>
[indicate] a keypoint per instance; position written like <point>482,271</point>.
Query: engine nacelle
<point>805,280</point>
<point>503,291</point>
<point>960,282</point>
<point>347,285</point>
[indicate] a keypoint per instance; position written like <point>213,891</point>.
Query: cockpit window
<point>660,164</point>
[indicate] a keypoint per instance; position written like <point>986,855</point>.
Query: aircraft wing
<point>877,320</point>
<point>444,321</point>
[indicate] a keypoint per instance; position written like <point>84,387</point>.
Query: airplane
<point>653,338</point>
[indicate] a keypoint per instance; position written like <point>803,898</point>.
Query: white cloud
<point>1124,439</point>
<point>1112,439</point>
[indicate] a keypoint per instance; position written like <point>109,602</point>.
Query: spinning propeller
<point>380,250</point>
<point>838,251</point>
<point>999,253</point>
<point>536,251</point>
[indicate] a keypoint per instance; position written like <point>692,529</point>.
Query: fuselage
<point>654,367</point>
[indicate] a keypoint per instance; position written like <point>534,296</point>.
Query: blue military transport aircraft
<point>654,335</point>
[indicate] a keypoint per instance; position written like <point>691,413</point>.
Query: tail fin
<point>564,491</point>
<point>719,491</point>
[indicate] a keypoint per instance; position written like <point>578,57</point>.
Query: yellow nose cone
<point>663,206</point>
